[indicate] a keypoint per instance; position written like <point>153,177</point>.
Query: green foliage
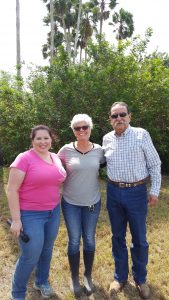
<point>111,74</point>
<point>17,117</point>
<point>124,20</point>
<point>92,15</point>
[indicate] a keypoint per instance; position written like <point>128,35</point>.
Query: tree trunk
<point>80,55</point>
<point>85,53</point>
<point>77,30</point>
<point>18,52</point>
<point>52,33</point>
<point>68,47</point>
<point>101,16</point>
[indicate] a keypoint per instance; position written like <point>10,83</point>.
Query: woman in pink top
<point>34,200</point>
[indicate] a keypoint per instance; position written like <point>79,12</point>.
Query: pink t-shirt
<point>40,189</point>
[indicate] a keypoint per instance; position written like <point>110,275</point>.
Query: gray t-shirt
<point>81,186</point>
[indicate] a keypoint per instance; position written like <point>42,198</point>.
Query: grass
<point>158,267</point>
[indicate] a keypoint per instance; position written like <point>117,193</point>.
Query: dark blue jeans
<point>80,221</point>
<point>128,206</point>
<point>42,228</point>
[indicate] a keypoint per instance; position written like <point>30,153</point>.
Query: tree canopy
<point>57,92</point>
<point>75,23</point>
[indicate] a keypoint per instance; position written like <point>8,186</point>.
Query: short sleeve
<point>20,162</point>
<point>61,154</point>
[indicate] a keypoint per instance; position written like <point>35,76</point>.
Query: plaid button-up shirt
<point>132,157</point>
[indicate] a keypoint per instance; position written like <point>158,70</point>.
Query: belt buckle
<point>122,184</point>
<point>125,185</point>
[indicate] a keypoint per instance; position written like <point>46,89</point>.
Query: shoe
<point>144,290</point>
<point>75,286</point>
<point>116,287</point>
<point>14,298</point>
<point>18,298</point>
<point>45,289</point>
<point>88,285</point>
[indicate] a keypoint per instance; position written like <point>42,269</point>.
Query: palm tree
<point>101,11</point>
<point>86,31</point>
<point>124,20</point>
<point>87,27</point>
<point>104,14</point>
<point>61,10</point>
<point>65,16</point>
<point>58,40</point>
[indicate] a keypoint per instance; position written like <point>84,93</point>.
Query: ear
<point>109,119</point>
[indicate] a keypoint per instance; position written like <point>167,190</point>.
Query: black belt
<point>126,184</point>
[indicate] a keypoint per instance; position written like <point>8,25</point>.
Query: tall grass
<point>158,267</point>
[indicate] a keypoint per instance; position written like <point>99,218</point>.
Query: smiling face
<point>82,131</point>
<point>42,141</point>
<point>120,118</point>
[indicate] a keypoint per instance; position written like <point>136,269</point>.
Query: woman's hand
<point>15,181</point>
<point>16,227</point>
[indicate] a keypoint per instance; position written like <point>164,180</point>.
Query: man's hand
<point>152,200</point>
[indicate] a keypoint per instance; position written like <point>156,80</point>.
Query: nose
<point>119,118</point>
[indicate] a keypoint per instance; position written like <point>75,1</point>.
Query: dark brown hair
<point>40,127</point>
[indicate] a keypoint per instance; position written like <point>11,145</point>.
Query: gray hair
<point>121,103</point>
<point>80,118</point>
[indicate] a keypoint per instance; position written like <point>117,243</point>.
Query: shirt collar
<point>124,133</point>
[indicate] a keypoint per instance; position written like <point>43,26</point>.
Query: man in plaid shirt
<point>131,159</point>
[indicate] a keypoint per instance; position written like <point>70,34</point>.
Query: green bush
<point>57,93</point>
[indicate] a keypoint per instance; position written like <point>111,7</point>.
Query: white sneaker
<point>45,289</point>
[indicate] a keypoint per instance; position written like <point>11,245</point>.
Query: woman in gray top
<point>81,198</point>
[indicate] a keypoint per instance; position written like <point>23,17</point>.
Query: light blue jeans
<point>80,221</point>
<point>42,229</point>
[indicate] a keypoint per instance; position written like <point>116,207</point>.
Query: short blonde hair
<point>80,118</point>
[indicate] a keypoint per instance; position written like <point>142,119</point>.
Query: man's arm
<point>154,168</point>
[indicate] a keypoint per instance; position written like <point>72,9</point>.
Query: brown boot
<point>116,287</point>
<point>144,290</point>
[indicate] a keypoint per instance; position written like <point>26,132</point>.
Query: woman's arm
<point>16,178</point>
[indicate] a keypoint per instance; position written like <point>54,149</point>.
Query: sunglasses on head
<point>78,128</point>
<point>121,115</point>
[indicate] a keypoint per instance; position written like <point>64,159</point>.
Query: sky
<point>146,13</point>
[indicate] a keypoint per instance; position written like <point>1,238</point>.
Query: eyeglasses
<point>78,128</point>
<point>122,115</point>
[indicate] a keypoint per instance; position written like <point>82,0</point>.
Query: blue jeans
<point>128,205</point>
<point>80,221</point>
<point>42,229</point>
